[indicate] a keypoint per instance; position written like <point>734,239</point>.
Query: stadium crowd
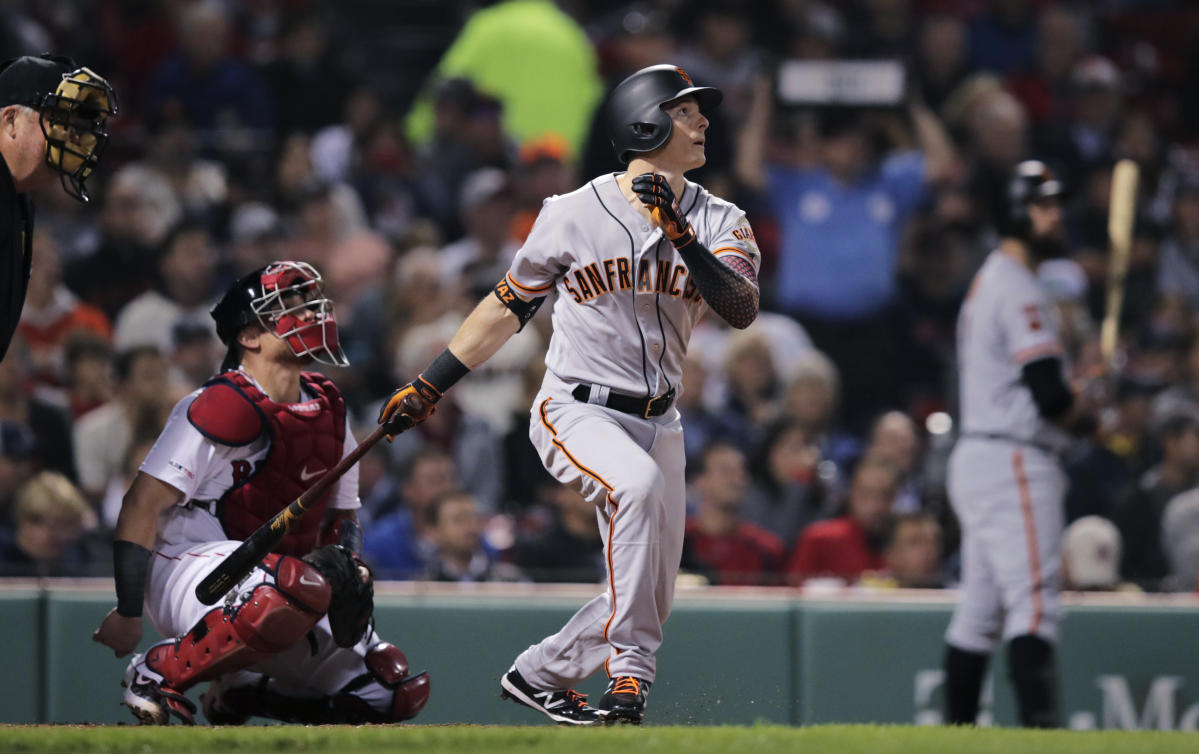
<point>816,439</point>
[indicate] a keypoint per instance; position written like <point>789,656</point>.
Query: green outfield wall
<point>730,656</point>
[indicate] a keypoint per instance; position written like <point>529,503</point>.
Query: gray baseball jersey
<point>1005,480</point>
<point>624,306</point>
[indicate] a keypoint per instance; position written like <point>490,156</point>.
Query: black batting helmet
<point>1031,181</point>
<point>636,121</point>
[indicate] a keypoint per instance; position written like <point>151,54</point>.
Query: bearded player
<point>633,260</point>
<point>1006,484</point>
<point>294,640</point>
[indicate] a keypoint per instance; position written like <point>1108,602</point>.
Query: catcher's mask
<point>288,300</point>
<point>73,105</point>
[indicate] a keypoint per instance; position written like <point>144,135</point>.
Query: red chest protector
<point>304,441</point>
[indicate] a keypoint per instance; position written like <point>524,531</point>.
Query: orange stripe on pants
<point>1030,536</point>
<point>611,519</point>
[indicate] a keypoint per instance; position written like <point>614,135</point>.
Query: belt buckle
<point>649,404</point>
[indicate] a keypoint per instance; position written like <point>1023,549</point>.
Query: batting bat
<point>1121,213</point>
<point>259,544</point>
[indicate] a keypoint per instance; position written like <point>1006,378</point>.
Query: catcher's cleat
<point>624,701</point>
<point>152,701</point>
<point>565,707</point>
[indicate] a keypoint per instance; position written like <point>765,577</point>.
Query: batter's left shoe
<point>152,701</point>
<point>624,701</point>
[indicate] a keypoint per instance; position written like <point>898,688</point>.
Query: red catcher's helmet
<point>275,297</point>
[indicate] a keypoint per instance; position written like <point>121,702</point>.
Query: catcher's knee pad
<point>270,619</point>
<point>386,693</point>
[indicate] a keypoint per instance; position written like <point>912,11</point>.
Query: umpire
<point>52,123</point>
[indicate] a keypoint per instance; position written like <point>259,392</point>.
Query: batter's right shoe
<point>565,707</point>
<point>624,701</point>
<point>152,701</point>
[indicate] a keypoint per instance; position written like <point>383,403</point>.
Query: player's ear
<point>250,337</point>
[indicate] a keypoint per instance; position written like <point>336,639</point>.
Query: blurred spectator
<point>139,208</point>
<point>476,262</point>
<point>205,85</point>
<point>718,542</point>
<point>895,440</point>
<point>199,184</point>
<point>723,51</point>
<point>912,555</point>
<point>1085,140</point>
<point>396,545</point>
<point>561,542</point>
<point>841,220</point>
<point>52,314</point>
<point>1003,39</point>
<point>527,480</point>
<point>998,139</point>
<point>848,546</point>
<point>51,519</point>
<point>337,147</point>
<point>1180,541</point>
<point>940,57</point>
<point>103,435</point>
<point>458,552</point>
<point>256,238</point>
<point>1183,395</point>
<point>182,293</point>
<point>88,373</point>
<point>195,356</point>
<point>1178,273</point>
<point>543,169</point>
<point>48,425</point>
<point>532,57</point>
<point>378,486</point>
<point>305,72</point>
<point>701,425</point>
<point>813,393</point>
<point>1091,556</point>
<point>16,466</point>
<point>467,438</point>
<point>786,493</point>
<point>753,389</point>
<point>110,504</point>
<point>1139,513</point>
<point>1044,88</point>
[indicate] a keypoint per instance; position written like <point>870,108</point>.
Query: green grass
<point>463,739</point>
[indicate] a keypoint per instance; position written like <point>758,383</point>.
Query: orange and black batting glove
<point>415,402</point>
<point>654,192</point>
<point>408,406</point>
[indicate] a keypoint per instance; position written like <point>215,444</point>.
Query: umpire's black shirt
<point>16,254</point>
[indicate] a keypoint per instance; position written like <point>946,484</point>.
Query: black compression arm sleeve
<point>130,562</point>
<point>1049,390</point>
<point>730,289</point>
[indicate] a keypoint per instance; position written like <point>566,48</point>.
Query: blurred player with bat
<point>293,639</point>
<point>1005,481</point>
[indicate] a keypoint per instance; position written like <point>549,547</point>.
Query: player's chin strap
<point>730,288</point>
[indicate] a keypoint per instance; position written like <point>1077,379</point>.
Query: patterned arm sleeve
<point>729,283</point>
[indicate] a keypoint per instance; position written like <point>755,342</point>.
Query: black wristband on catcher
<point>524,310</point>
<point>130,562</point>
<point>440,376</point>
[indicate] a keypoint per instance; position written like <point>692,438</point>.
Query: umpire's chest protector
<point>304,440</point>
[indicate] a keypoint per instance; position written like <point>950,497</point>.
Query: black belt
<point>643,407</point>
<point>1044,447</point>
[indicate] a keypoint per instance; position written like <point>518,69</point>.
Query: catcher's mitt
<point>353,589</point>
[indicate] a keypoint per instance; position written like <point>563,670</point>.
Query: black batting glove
<point>654,192</point>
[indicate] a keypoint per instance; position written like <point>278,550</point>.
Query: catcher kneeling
<point>294,641</point>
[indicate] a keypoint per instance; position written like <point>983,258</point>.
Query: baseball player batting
<point>293,641</point>
<point>1005,480</point>
<point>632,261</point>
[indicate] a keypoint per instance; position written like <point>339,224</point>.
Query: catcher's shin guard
<point>269,620</point>
<point>387,684</point>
